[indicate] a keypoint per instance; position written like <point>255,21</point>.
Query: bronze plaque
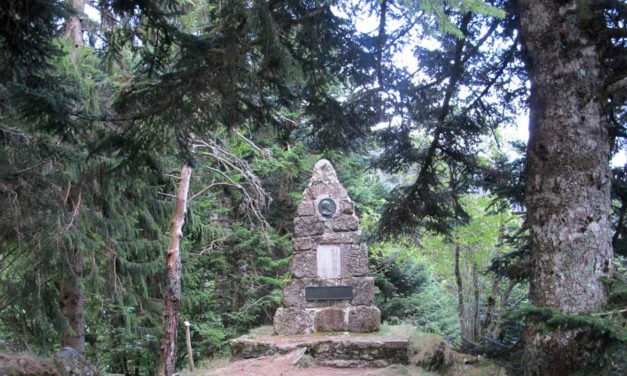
<point>328,292</point>
<point>327,207</point>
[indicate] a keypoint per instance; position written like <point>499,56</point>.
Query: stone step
<point>340,350</point>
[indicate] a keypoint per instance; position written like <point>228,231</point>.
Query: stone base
<point>361,319</point>
<point>363,292</point>
<point>343,351</point>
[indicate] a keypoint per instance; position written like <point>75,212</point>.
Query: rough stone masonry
<point>330,289</point>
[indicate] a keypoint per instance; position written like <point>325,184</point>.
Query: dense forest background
<point>483,241</point>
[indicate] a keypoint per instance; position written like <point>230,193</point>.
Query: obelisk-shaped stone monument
<point>330,289</point>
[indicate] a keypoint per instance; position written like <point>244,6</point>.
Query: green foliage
<point>550,319</point>
<point>408,292</point>
<point>253,93</point>
<point>399,269</point>
<point>432,310</point>
<point>438,8</point>
<point>617,285</point>
<point>27,32</point>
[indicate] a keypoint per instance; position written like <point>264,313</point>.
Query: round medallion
<point>326,207</point>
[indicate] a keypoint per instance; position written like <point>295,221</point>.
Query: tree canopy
<point>101,102</point>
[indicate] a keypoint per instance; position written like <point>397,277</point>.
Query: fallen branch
<point>609,313</point>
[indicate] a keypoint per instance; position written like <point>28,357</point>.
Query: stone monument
<point>330,289</point>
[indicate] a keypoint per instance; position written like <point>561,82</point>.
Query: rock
<point>243,348</point>
<point>289,321</point>
<point>308,226</point>
<point>364,319</point>
<point>294,291</point>
<point>344,223</point>
<point>332,190</point>
<point>67,362</point>
<point>293,295</point>
<point>355,260</point>
<point>304,265</point>
<point>330,319</point>
<point>336,350</point>
<point>355,353</point>
<point>304,361</point>
<point>340,237</point>
<point>22,364</point>
<point>305,244</point>
<point>305,209</point>
<point>431,352</point>
<point>73,363</point>
<point>363,290</point>
<point>323,172</point>
<point>346,206</point>
<point>327,253</point>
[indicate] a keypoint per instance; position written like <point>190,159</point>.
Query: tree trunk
<point>172,294</point>
<point>476,322</point>
<point>72,299</point>
<point>74,28</point>
<point>568,175</point>
<point>490,312</point>
<point>71,291</point>
<point>460,295</point>
<point>495,330</point>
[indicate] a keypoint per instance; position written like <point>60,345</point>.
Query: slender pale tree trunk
<point>476,322</point>
<point>172,294</point>
<point>460,295</point>
<point>568,175</point>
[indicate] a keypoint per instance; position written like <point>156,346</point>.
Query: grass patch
<point>261,331</point>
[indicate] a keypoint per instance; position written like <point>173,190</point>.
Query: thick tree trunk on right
<point>172,294</point>
<point>568,175</point>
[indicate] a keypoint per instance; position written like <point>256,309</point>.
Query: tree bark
<point>74,28</point>
<point>460,294</point>
<point>568,175</point>
<point>72,301</point>
<point>70,289</point>
<point>490,311</point>
<point>172,294</point>
<point>188,342</point>
<point>476,322</point>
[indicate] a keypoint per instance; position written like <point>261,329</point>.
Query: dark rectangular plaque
<point>328,292</point>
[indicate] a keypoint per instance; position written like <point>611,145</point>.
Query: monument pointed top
<point>323,171</point>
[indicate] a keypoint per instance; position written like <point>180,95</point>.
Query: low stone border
<point>343,351</point>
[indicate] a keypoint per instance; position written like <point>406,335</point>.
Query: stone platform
<point>345,350</point>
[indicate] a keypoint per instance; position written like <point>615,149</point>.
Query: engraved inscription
<point>329,261</point>
<point>328,292</point>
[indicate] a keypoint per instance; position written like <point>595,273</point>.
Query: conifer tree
<point>567,51</point>
<point>439,117</point>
